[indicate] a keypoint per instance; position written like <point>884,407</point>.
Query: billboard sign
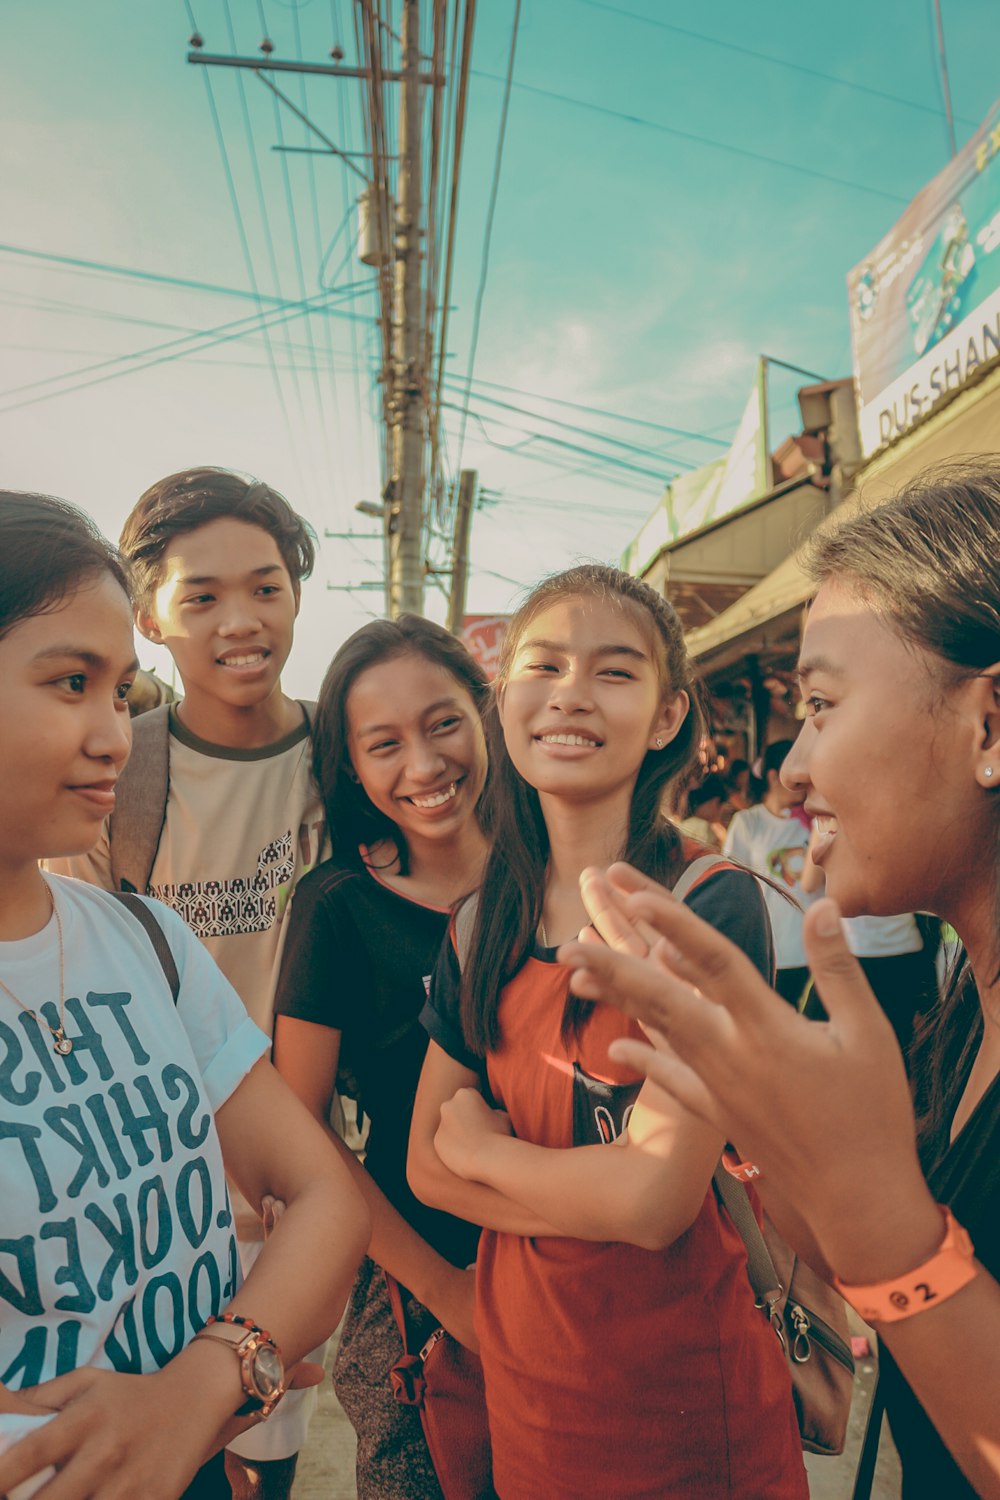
<point>925,304</point>
<point>483,635</point>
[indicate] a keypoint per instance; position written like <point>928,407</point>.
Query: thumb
<point>838,976</point>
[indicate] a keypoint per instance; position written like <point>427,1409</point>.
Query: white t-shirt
<point>775,845</point>
<point>882,937</point>
<point>116,1238</point>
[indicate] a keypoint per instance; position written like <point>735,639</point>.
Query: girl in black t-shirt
<point>401,762</point>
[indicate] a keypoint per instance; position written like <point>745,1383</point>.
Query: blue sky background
<point>682,206</point>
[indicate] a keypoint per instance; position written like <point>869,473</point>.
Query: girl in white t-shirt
<point>129,1073</point>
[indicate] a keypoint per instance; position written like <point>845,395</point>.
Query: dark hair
<point>712,786</point>
<point>182,502</point>
<point>774,758</point>
<point>351,817</point>
<point>48,549</point>
<point>510,899</point>
<point>926,562</point>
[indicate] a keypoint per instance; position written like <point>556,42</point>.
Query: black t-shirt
<point>967,1179</point>
<point>730,901</point>
<point>358,958</point>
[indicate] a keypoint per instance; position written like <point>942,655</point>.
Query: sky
<point>682,189</point>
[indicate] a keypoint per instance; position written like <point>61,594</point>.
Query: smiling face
<point>890,762</point>
<point>584,703</point>
<point>65,731</point>
<point>225,608</point>
<point>417,746</point>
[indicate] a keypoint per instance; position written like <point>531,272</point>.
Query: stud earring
<point>659,746</point>
<point>988,770</point>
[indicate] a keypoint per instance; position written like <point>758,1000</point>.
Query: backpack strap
<point>156,935</point>
<point>697,871</point>
<point>136,824</point>
<point>465,921</point>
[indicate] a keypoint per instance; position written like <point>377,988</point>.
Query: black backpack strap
<point>156,935</point>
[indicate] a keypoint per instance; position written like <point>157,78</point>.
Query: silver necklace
<point>61,1042</point>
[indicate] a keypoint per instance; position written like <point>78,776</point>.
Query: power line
<point>691,136</point>
<point>606,459</point>
<point>214,336</point>
<point>158,278</point>
<point>582,431</point>
<point>487,238</point>
<point>599,411</point>
<point>768,57</point>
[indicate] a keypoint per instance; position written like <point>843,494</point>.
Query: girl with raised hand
<point>899,759</point>
<point>622,1351</point>
<point>130,1076</point>
<point>401,761</point>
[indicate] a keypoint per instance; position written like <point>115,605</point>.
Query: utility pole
<point>460,549</point>
<point>405,510</point>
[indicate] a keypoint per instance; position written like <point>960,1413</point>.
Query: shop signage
<point>715,490</point>
<point>925,304</point>
<point>483,634</point>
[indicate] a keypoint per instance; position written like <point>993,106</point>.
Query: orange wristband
<point>951,1267</point>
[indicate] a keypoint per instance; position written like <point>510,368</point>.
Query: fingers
<point>839,978</point>
<point>608,915</point>
<point>662,1066</point>
<point>271,1210</point>
<point>59,1392</point>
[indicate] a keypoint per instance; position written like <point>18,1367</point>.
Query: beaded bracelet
<point>241,1322</point>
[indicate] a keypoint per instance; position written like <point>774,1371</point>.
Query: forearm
<point>949,1356</point>
<point>436,1186</point>
<point>298,1286</point>
<point>395,1245</point>
<point>615,1192</point>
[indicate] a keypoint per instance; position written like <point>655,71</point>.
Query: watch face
<point>268,1371</point>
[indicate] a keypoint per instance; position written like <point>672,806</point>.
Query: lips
<point>428,801</point>
<point>100,794</point>
<point>825,830</point>
<point>562,737</point>
<point>243,660</point>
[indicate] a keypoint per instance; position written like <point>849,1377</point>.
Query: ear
<point>499,689</point>
<point>146,625</point>
<point>297,592</point>
<point>987,689</point>
<point>673,712</point>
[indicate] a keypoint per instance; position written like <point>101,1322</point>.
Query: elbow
<point>421,1176</point>
<point>658,1232</point>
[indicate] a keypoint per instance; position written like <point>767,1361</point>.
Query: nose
<point>795,767</point>
<point>570,693</point>
<point>109,735</point>
<point>239,619</point>
<point>424,763</point>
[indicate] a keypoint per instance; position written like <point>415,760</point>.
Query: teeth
<point>243,661</point>
<point>566,739</point>
<point>438,799</point>
<point>825,824</point>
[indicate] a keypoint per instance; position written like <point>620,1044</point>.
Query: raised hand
<point>822,1108</point>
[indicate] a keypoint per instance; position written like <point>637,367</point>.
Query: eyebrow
<point>813,664</point>
<point>562,648</point>
<point>432,708</point>
<point>254,573</point>
<point>88,658</point>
